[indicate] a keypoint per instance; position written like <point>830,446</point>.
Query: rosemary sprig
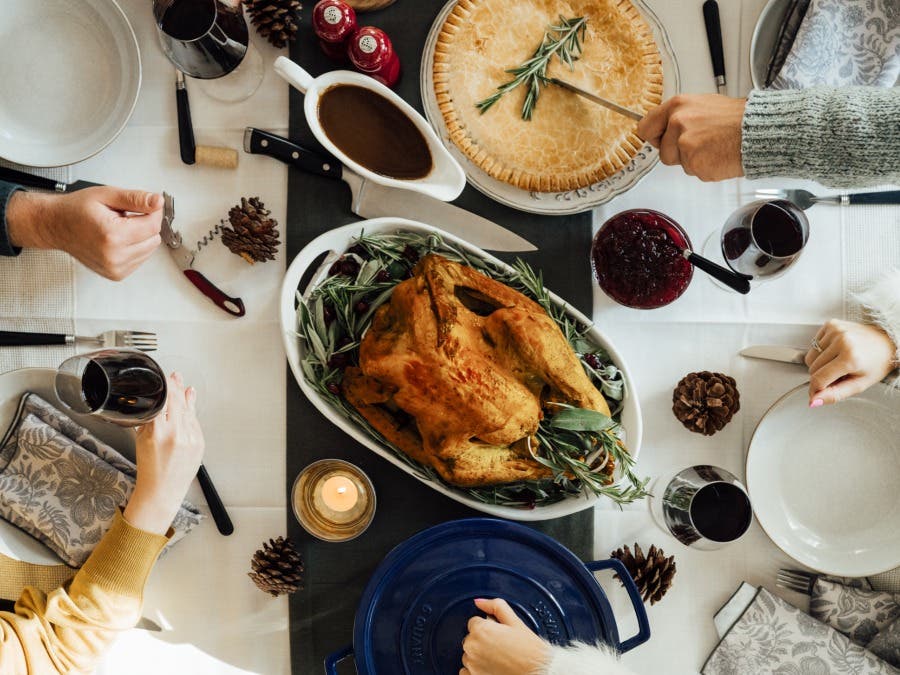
<point>576,444</point>
<point>564,40</point>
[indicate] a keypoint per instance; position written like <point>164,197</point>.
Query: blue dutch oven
<point>413,614</point>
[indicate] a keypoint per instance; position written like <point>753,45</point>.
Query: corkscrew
<point>210,236</point>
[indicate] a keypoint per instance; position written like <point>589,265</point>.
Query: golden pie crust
<point>570,142</point>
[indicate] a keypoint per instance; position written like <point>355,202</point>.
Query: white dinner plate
<point>15,543</point>
<point>70,73</point>
<point>551,203</point>
<point>825,482</point>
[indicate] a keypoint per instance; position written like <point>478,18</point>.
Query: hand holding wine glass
<point>168,450</point>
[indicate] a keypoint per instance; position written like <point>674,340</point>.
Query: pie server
<point>184,258</point>
<point>775,353</point>
<point>371,200</point>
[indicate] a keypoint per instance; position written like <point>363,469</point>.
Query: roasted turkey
<point>456,371</point>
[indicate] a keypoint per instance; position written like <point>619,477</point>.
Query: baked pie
<point>570,142</point>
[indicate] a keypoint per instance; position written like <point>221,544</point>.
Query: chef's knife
<point>40,182</point>
<point>775,353</point>
<point>371,200</point>
<point>184,258</point>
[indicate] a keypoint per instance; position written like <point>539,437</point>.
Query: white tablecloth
<point>219,622</point>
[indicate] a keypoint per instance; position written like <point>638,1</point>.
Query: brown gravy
<point>374,132</point>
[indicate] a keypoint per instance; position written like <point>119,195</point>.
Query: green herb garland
<point>576,444</point>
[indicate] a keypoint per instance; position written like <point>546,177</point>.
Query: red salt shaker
<point>334,22</point>
<point>372,53</point>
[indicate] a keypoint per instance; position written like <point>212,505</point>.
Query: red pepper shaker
<point>372,53</point>
<point>334,22</point>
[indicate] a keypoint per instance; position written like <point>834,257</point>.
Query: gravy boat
<point>446,179</point>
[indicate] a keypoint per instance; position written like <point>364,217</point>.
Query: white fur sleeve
<point>582,659</point>
<point>882,302</point>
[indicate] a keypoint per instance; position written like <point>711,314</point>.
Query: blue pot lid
<point>413,614</point>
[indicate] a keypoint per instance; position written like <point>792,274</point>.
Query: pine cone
<point>277,567</point>
<point>652,574</point>
<point>705,402</point>
<point>255,235</point>
<point>275,20</point>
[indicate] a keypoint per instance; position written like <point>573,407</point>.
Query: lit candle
<point>339,493</point>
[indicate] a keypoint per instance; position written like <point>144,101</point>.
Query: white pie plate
<point>339,240</point>
<point>70,74</point>
<point>15,543</point>
<point>825,482</point>
<point>549,203</point>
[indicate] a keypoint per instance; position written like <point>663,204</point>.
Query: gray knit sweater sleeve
<point>839,137</point>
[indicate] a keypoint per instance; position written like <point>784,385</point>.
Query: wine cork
<point>217,157</point>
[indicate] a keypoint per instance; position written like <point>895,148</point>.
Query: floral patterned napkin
<point>844,43</point>
<point>870,619</point>
<point>62,485</point>
<point>772,636</point>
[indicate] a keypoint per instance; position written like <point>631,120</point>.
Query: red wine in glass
<point>122,386</point>
<point>703,506</point>
<point>206,39</point>
<point>764,238</point>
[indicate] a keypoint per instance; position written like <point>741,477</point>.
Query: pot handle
<point>643,633</point>
<point>333,659</point>
<point>293,73</point>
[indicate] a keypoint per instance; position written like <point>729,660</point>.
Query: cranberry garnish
<point>340,360</point>
<point>334,388</point>
<point>361,307</point>
<point>383,276</point>
<point>592,360</point>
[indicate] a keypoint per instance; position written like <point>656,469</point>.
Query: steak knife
<point>371,200</point>
<point>40,182</point>
<point>776,353</point>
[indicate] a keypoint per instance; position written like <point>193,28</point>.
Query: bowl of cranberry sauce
<point>638,260</point>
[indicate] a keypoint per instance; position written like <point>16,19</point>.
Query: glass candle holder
<point>333,500</point>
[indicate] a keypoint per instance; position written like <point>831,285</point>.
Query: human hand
<point>701,132</point>
<point>110,230</point>
<point>852,357</point>
<point>502,645</point>
<point>169,450</point>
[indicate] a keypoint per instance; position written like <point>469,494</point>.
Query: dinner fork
<point>132,339</point>
<point>796,580</point>
<point>804,198</point>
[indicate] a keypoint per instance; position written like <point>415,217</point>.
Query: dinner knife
<point>185,126</point>
<point>40,182</point>
<point>371,200</point>
<point>714,38</point>
<point>606,103</point>
<point>775,353</point>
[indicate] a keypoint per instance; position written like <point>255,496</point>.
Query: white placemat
<point>871,247</point>
<point>37,293</point>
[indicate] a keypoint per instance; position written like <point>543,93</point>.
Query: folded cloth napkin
<point>843,43</point>
<point>62,485</point>
<point>772,636</point>
<point>869,618</point>
<point>793,19</point>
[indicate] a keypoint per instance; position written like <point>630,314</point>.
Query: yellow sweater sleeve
<point>67,630</point>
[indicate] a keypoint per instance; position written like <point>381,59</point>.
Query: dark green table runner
<point>322,613</point>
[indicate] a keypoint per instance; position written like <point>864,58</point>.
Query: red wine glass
<point>703,506</point>
<point>764,238</point>
<point>122,386</point>
<point>209,40</point>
